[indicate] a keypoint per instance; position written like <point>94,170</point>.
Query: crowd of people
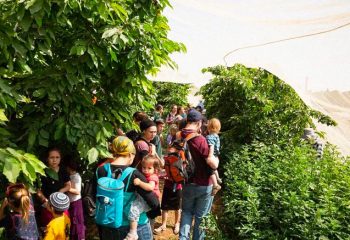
<point>126,187</point>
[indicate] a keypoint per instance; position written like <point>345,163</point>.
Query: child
<point>59,227</point>
<point>150,167</point>
<point>19,222</point>
<point>213,139</point>
<point>171,199</point>
<point>76,213</point>
<point>171,137</point>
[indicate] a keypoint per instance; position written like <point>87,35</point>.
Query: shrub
<point>171,93</point>
<point>258,105</point>
<point>282,191</point>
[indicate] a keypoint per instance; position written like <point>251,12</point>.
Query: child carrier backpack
<point>110,197</point>
<point>180,166</point>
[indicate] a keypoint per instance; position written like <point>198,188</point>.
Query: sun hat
<point>59,201</point>
<point>122,145</point>
<point>194,116</point>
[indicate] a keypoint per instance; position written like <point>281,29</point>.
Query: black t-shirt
<point>149,196</point>
<point>50,185</point>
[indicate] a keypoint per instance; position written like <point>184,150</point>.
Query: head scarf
<point>123,146</point>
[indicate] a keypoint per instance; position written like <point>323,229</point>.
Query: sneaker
<point>216,188</point>
<point>159,230</point>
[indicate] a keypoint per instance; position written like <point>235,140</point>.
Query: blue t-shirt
<point>214,140</point>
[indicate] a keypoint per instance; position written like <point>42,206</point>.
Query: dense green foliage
<point>168,93</point>
<point>56,56</point>
<point>285,192</point>
<point>258,105</point>
<point>275,187</point>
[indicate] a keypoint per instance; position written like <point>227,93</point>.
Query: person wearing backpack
<point>172,190</point>
<point>150,168</point>
<point>113,207</point>
<point>196,195</point>
<point>19,222</point>
<point>143,144</point>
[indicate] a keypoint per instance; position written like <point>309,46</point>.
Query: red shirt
<point>199,150</point>
<point>154,178</point>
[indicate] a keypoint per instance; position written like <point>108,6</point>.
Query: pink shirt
<point>154,178</point>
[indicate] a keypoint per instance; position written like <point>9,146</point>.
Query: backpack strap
<point>127,172</point>
<point>190,136</point>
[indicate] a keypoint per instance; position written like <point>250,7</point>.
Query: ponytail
<point>19,197</point>
<point>25,206</point>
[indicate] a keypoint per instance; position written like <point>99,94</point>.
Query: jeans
<point>196,202</point>
<point>143,231</point>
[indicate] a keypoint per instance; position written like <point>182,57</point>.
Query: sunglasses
<point>11,186</point>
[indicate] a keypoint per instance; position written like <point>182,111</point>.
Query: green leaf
<point>12,169</point>
<point>39,93</point>
<point>110,32</point>
<point>51,173</point>
<point>92,155</point>
<point>2,115</point>
<point>19,48</point>
<point>36,6</point>
<point>44,134</point>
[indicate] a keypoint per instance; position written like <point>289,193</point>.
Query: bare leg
<point>162,227</point>
<point>132,235</point>
<point>177,221</point>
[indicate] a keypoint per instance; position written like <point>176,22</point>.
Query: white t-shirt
<point>75,180</point>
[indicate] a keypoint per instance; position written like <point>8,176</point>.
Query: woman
<point>170,119</point>
<point>123,155</point>
<point>143,145</point>
<point>56,180</point>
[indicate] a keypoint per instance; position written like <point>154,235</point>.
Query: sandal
<point>131,236</point>
<point>177,228</point>
<point>159,230</point>
<point>216,188</point>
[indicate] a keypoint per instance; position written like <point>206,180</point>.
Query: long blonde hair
<point>18,197</point>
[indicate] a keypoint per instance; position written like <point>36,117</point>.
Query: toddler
<point>150,167</point>
<point>213,139</point>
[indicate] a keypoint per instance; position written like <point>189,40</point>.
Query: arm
<point>75,186</point>
<point>145,186</point>
<point>154,152</point>
<point>67,186</point>
<point>211,150</point>
<point>149,196</point>
<point>2,208</point>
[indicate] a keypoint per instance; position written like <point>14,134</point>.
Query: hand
<point>4,203</point>
<point>153,149</point>
<point>137,181</point>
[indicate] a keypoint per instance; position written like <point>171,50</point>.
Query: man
<point>158,139</point>
<point>197,199</point>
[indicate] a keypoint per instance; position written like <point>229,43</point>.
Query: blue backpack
<point>110,198</point>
